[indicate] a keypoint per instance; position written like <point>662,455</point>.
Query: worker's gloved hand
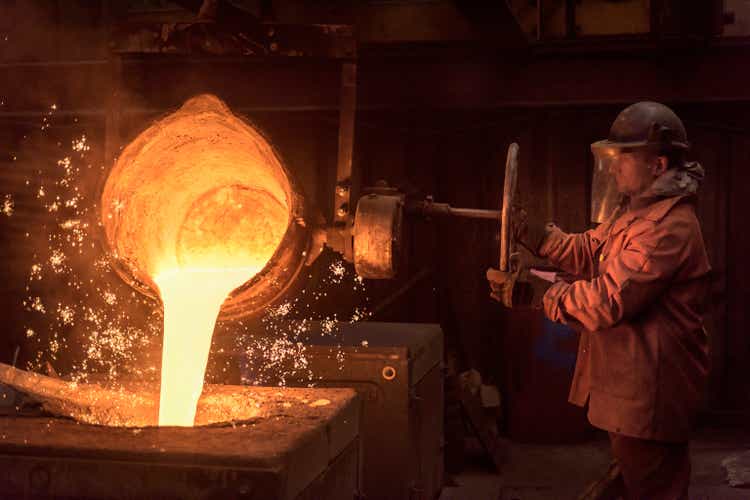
<point>501,284</point>
<point>506,289</point>
<point>529,233</point>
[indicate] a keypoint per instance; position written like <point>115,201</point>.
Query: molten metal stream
<point>192,299</point>
<point>228,240</point>
<point>197,204</point>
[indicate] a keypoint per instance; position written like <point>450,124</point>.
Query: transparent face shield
<point>605,197</point>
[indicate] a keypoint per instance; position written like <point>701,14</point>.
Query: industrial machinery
<point>310,451</point>
<point>290,443</point>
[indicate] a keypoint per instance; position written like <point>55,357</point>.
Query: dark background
<point>443,89</point>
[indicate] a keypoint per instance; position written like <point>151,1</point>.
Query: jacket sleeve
<point>574,253</point>
<point>649,261</point>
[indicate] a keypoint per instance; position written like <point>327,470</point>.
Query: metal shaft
<point>509,189</point>
<point>428,208</point>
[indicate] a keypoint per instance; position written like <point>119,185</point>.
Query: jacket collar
<point>675,185</point>
<point>653,208</point>
<point>656,207</point>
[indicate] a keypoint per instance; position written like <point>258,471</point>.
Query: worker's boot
<point>609,487</point>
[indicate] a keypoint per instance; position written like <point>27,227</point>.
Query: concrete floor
<point>559,472</point>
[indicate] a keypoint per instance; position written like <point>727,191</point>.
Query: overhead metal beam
<point>574,75</point>
<point>450,77</point>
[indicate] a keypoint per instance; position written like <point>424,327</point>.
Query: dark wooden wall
<point>434,125</point>
<point>458,156</point>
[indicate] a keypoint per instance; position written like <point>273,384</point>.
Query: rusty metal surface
<point>396,370</point>
<point>419,344</point>
<point>293,453</point>
<point>41,477</point>
<point>284,450</point>
<point>377,235</point>
<point>136,404</point>
<point>399,379</point>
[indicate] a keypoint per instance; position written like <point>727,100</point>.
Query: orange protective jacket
<point>643,356</point>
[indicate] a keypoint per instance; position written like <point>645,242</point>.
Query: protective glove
<point>507,289</point>
<point>529,233</point>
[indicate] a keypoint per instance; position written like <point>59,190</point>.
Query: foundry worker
<point>642,280</point>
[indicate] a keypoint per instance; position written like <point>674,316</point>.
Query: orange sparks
<point>197,205</point>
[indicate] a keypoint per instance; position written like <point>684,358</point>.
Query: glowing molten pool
<point>195,207</point>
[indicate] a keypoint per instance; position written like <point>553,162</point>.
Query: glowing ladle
<point>196,205</point>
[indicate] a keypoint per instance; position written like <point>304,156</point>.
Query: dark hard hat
<point>646,124</point>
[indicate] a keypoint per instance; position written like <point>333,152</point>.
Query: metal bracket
<point>342,209</point>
